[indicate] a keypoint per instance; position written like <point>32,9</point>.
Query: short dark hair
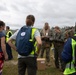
<point>46,22</point>
<point>57,27</point>
<point>31,17</point>
<point>7,27</point>
<point>2,23</point>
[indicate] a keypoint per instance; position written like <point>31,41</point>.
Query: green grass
<point>10,67</point>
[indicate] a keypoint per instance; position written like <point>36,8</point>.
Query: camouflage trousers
<point>47,50</point>
<point>57,55</point>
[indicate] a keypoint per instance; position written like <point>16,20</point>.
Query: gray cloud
<point>55,12</point>
<point>14,7</point>
<point>3,6</point>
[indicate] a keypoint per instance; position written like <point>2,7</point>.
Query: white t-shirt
<point>36,34</point>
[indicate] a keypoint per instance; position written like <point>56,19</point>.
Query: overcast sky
<point>55,12</point>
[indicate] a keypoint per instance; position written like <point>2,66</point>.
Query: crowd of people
<point>63,41</point>
<point>58,37</point>
<point>64,47</point>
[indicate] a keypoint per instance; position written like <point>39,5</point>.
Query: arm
<point>3,46</point>
<point>38,39</point>
<point>39,43</point>
<point>10,42</point>
<point>41,33</point>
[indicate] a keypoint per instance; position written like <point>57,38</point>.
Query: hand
<point>6,57</point>
<point>45,36</point>
<point>37,53</point>
<point>42,36</point>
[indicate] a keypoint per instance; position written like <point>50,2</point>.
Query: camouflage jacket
<point>58,39</point>
<point>46,41</point>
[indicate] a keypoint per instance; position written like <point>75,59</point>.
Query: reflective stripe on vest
<point>7,35</point>
<point>32,39</point>
<point>70,68</point>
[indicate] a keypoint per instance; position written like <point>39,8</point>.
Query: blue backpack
<point>23,43</point>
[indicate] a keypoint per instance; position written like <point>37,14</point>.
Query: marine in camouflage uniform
<point>69,32</point>
<point>66,35</point>
<point>46,33</point>
<point>58,47</point>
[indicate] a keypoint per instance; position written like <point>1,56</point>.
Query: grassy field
<point>10,67</point>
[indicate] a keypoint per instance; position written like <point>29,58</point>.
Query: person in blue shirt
<point>3,53</point>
